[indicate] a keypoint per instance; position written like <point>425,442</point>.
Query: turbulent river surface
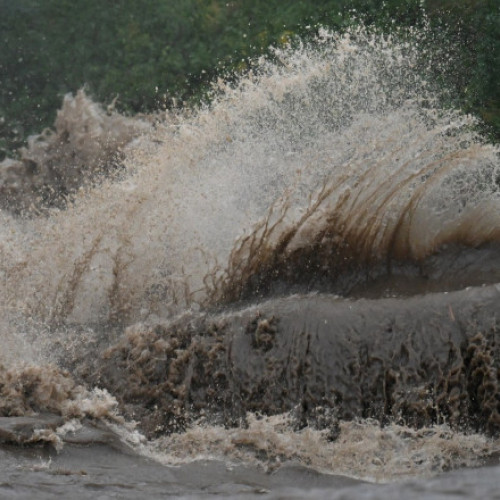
<point>292,292</point>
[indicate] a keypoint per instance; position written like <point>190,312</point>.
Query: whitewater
<point>292,290</point>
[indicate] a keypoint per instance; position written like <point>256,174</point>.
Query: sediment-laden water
<point>293,289</point>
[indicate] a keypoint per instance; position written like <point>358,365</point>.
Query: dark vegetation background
<point>152,53</point>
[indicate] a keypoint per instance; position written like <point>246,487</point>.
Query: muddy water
<point>292,291</point>
<point>98,470</point>
<point>102,471</point>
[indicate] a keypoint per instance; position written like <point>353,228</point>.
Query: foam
<point>363,449</point>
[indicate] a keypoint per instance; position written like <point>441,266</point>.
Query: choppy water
<point>292,289</point>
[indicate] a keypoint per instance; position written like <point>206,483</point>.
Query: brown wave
<point>419,361</point>
<point>86,142</point>
<point>336,164</point>
<point>381,214</point>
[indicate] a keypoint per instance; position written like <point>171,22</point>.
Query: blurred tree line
<point>152,53</point>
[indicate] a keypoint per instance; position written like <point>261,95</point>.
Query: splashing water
<point>328,164</point>
<point>334,150</point>
<point>362,450</point>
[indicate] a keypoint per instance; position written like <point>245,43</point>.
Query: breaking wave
<point>217,277</point>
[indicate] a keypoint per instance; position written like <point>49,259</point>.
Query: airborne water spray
<point>325,161</point>
<point>337,149</point>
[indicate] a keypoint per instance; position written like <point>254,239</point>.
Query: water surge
<point>319,244</point>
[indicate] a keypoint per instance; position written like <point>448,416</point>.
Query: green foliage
<point>149,52</point>
<point>474,27</point>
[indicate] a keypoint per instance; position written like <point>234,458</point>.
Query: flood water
<point>291,292</point>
